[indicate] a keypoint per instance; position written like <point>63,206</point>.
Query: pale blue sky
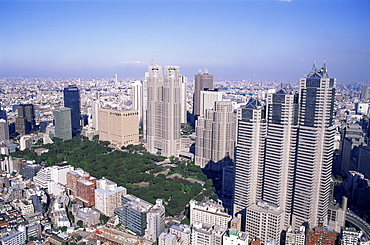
<point>267,40</point>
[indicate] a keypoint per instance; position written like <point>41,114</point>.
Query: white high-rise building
<point>163,110</point>
<point>137,99</point>
<point>265,221</point>
<point>207,100</point>
<point>280,150</point>
<point>283,168</point>
<point>249,155</point>
<point>215,142</point>
<point>108,196</point>
<point>201,81</point>
<point>155,221</point>
<point>205,234</point>
<point>209,212</point>
<point>95,114</point>
<point>183,96</point>
<point>4,130</point>
<point>315,148</point>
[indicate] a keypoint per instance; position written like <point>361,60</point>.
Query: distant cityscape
<point>288,163</point>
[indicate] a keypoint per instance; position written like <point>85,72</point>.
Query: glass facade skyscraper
<point>72,100</point>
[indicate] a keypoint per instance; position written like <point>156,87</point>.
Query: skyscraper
<point>4,130</point>
<point>315,148</point>
<point>283,168</point>
<point>72,100</point>
<point>282,123</point>
<point>25,122</point>
<point>137,99</point>
<point>249,155</point>
<point>273,206</point>
<point>63,127</point>
<point>163,110</point>
<point>214,145</point>
<point>201,81</point>
<point>183,96</point>
<point>364,93</point>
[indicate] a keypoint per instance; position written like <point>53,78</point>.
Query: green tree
<point>71,216</point>
<point>80,223</point>
<point>104,219</point>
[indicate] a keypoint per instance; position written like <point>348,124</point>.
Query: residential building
<point>215,141</point>
<point>182,232</point>
<point>108,196</point>
<point>155,221</point>
<point>321,236</point>
<point>349,236</point>
<point>209,212</point>
<point>19,237</point>
<point>295,237</point>
<point>206,234</point>
<point>88,216</point>
<point>86,191</point>
<point>235,237</point>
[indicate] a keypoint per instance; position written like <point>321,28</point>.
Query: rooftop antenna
<point>314,65</point>
<point>151,62</point>
<point>324,66</point>
<point>200,70</point>
<point>206,71</point>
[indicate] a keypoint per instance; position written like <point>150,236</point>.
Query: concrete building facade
<point>118,127</point>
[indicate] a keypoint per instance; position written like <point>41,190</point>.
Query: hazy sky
<point>264,39</point>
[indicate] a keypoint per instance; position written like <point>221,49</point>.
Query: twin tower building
<point>280,151</point>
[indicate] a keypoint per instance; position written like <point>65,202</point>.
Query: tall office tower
<point>137,99</point>
<point>25,122</point>
<point>183,96</point>
<point>201,81</point>
<point>207,100</point>
<point>72,100</point>
<point>281,140</point>
<point>364,93</point>
<point>249,155</point>
<point>274,207</point>
<point>315,148</point>
<point>4,130</point>
<point>63,127</point>
<point>118,127</point>
<point>95,114</point>
<point>215,142</point>
<point>163,110</point>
